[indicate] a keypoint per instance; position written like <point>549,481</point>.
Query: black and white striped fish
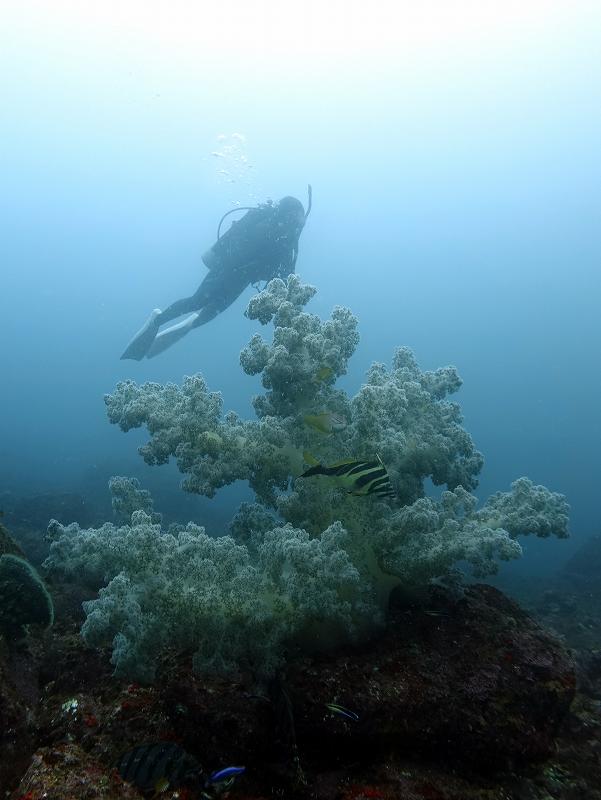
<point>356,476</point>
<point>158,766</point>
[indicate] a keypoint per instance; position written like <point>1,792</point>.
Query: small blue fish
<point>225,774</point>
<point>342,711</point>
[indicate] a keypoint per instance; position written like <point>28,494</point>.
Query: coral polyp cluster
<point>308,564</point>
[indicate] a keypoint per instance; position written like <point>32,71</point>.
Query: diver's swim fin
<point>138,347</point>
<point>171,335</point>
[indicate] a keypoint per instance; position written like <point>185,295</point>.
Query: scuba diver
<point>260,246</point>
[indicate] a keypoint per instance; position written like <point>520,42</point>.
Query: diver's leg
<point>171,335</point>
<point>224,291</point>
<point>184,306</point>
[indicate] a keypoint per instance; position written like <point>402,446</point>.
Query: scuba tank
<point>239,244</point>
<point>240,240</point>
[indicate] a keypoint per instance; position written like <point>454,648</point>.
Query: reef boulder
<point>469,679</point>
<point>18,702</point>
<point>463,697</point>
<point>67,772</point>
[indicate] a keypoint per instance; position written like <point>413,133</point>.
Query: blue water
<point>456,177</point>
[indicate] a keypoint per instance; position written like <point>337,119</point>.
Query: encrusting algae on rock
<point>24,599</point>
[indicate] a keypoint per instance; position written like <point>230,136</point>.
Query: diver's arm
<point>288,266</point>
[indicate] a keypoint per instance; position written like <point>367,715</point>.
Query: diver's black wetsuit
<point>260,246</point>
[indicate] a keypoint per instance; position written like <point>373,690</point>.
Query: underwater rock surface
<point>67,772</point>
<point>19,697</point>
<point>568,602</point>
<point>464,696</point>
<point>27,517</point>
<point>470,679</point>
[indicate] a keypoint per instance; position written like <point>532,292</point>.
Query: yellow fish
<point>327,422</point>
<point>323,374</point>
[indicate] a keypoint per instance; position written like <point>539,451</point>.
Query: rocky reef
<point>330,641</point>
<point>463,696</point>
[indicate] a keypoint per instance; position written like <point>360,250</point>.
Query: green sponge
<point>8,544</point>
<point>24,600</point>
